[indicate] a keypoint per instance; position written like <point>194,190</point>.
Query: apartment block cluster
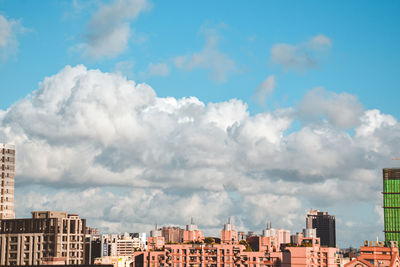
<point>59,238</point>
<point>173,246</point>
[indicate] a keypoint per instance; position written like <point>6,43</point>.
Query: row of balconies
<point>5,200</point>
<point>7,174</point>
<point>8,158</point>
<point>7,149</point>
<point>7,183</point>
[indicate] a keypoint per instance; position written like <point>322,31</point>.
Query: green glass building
<point>391,204</point>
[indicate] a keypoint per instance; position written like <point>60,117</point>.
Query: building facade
<point>325,226</point>
<point>309,252</point>
<point>47,237</point>
<point>206,255</point>
<point>391,204</point>
<point>7,171</point>
<point>228,234</point>
<point>172,234</point>
<point>192,233</point>
<point>376,255</point>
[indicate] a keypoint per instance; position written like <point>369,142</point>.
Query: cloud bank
<point>109,149</point>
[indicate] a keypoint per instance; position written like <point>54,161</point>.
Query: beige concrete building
<point>7,169</point>
<point>47,237</point>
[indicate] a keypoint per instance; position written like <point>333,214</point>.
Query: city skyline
<point>135,112</point>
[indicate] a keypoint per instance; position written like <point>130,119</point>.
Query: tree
<point>209,240</point>
<point>246,244</point>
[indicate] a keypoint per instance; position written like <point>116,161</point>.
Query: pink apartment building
<point>261,251</point>
<point>180,255</point>
<point>228,253</point>
<point>308,253</point>
<point>192,233</point>
<point>228,234</point>
<point>377,255</point>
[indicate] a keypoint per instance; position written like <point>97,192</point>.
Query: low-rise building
<point>308,252</point>
<point>47,237</point>
<point>377,255</point>
<point>206,255</point>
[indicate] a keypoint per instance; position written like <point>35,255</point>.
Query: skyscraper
<point>391,204</point>
<point>324,225</point>
<point>7,169</point>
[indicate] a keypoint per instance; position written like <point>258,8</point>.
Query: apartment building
<point>206,255</point>
<point>325,226</point>
<point>308,252</point>
<point>7,177</point>
<point>48,237</point>
<point>377,255</point>
<point>228,234</point>
<point>172,234</point>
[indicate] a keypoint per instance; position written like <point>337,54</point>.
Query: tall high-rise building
<point>7,169</point>
<point>391,204</point>
<point>324,225</point>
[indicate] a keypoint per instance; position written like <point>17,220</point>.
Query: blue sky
<point>318,80</point>
<point>363,59</point>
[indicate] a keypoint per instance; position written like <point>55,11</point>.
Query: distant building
<point>376,255</point>
<point>263,243</point>
<point>324,225</point>
<point>309,252</point>
<point>391,204</point>
<point>92,231</point>
<point>282,235</point>
<point>228,234</point>
<point>121,245</point>
<point>227,253</point>
<point>7,177</point>
<point>205,255</point>
<point>296,238</point>
<point>49,237</point>
<point>192,233</point>
<point>155,241</point>
<point>242,235</point>
<point>172,234</point>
